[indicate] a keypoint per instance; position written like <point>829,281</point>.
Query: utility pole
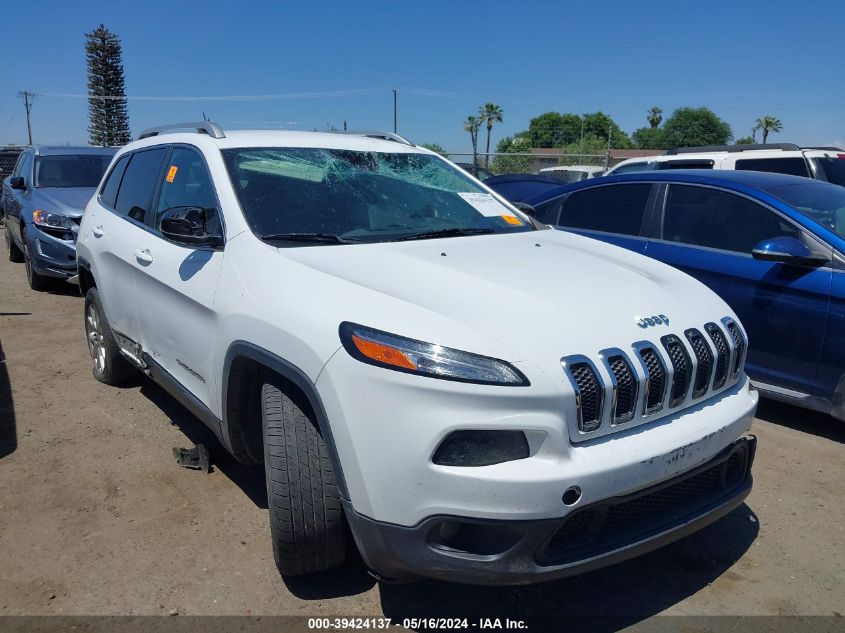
<point>28,105</point>
<point>394,111</point>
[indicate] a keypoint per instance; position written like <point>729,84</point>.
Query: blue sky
<point>743,59</point>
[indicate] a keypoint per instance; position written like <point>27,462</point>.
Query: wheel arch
<point>242,360</point>
<point>86,277</point>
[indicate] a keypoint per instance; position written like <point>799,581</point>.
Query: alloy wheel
<point>96,345</point>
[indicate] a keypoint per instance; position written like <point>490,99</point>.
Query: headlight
<point>415,357</point>
<point>52,220</point>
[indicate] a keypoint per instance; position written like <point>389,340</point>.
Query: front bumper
<point>483,551</point>
<point>51,256</point>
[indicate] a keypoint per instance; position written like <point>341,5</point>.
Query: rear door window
<point>794,166</point>
<point>701,216</point>
<point>108,195</point>
<point>631,168</point>
<point>612,209</point>
<point>139,183</point>
<point>832,167</point>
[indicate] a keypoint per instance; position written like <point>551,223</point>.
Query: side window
<point>612,209</point>
<point>796,166</point>
<point>138,186</point>
<point>631,168</point>
<point>187,183</point>
<point>716,219</point>
<point>24,167</point>
<point>548,212</point>
<point>108,194</point>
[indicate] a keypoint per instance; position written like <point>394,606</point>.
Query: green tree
<point>471,125</point>
<point>107,111</point>
<point>591,151</point>
<point>745,140</point>
<point>519,145</point>
<point>489,113</point>
<point>649,138</point>
<point>435,147</point>
<point>654,116</point>
<point>553,129</point>
<point>768,124</point>
<point>599,124</point>
<point>693,127</point>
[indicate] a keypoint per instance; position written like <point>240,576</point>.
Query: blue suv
<point>43,201</point>
<point>773,247</point>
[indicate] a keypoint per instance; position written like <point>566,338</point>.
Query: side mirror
<point>188,225</point>
<point>526,208</point>
<point>17,182</point>
<point>786,250</point>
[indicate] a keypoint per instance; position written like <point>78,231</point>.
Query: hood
<point>515,296</point>
<point>69,201</point>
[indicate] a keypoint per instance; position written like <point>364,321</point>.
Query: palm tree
<point>471,125</point>
<point>768,124</point>
<point>655,116</point>
<point>489,113</point>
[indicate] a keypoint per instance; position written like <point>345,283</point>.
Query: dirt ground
<point>96,518</point>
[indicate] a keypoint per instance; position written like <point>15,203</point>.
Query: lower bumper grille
<point>615,523</point>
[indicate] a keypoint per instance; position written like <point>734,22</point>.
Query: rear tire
<point>306,517</point>
<point>15,254</point>
<point>108,364</point>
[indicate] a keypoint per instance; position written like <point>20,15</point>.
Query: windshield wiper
<point>428,235</point>
<point>316,238</point>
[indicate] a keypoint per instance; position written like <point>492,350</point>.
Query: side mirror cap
<point>17,182</point>
<point>786,250</point>
<point>526,208</point>
<point>188,225</point>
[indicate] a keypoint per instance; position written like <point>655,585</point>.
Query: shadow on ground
<point>803,420</point>
<point>8,428</point>
<point>249,479</point>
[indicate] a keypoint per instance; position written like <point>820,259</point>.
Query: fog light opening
<point>571,496</point>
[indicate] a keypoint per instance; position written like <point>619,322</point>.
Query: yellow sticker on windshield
<point>511,219</point>
<point>171,173</point>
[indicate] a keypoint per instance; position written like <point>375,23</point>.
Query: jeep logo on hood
<point>651,321</point>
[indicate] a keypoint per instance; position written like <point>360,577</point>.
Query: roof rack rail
<point>200,127</point>
<point>385,136</point>
<point>731,148</point>
<point>828,148</point>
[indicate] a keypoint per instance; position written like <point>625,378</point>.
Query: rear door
<point>616,213</point>
<point>710,233</point>
<point>177,283</point>
<point>117,227</point>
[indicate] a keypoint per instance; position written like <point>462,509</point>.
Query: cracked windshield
<point>343,196</point>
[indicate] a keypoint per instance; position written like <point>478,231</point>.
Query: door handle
<point>143,256</point>
<point>98,231</point>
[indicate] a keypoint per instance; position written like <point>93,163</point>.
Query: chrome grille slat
<point>681,366</point>
<point>705,361</point>
<point>723,354</point>
<point>627,387</point>
<point>589,392</point>
<point>656,378</point>
<point>740,344</point>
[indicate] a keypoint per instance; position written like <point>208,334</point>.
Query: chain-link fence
<point>561,166</point>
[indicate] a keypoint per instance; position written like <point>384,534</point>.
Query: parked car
<point>821,163</point>
<point>772,246</point>
<point>480,399</point>
<point>43,200</point>
<point>519,187</point>
<point>571,173</point>
<point>482,173</point>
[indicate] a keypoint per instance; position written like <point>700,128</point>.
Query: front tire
<point>36,282</point>
<point>108,364</point>
<point>306,517</point>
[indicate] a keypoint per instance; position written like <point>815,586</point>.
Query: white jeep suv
<point>480,398</point>
<point>821,163</point>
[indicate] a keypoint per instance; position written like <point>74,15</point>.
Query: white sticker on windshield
<point>485,204</point>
